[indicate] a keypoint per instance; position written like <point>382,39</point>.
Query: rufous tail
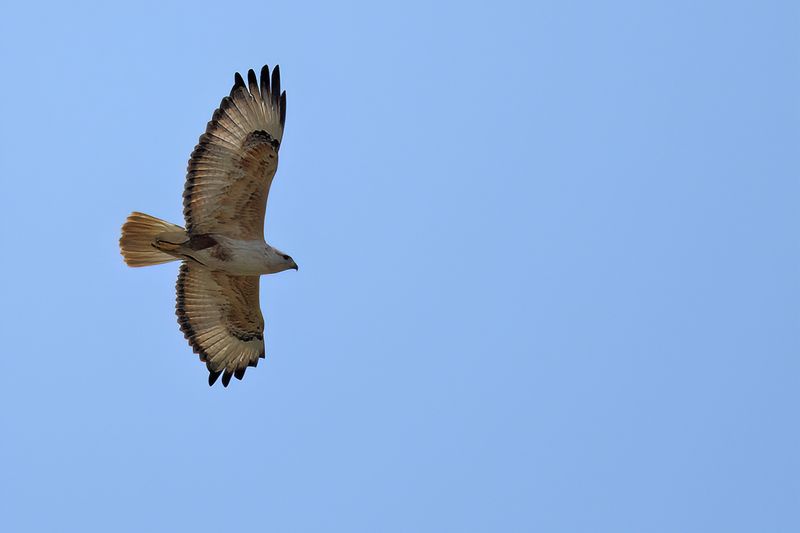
<point>140,234</point>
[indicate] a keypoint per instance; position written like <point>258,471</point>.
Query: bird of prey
<point>222,246</point>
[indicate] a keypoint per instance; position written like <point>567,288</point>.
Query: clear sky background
<point>548,273</point>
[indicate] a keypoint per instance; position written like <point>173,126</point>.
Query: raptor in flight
<point>222,247</point>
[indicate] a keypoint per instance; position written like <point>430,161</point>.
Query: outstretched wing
<point>221,317</point>
<point>231,168</point>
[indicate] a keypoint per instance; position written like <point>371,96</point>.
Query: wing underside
<point>221,317</point>
<point>231,168</point>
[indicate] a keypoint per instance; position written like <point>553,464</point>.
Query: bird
<point>221,247</point>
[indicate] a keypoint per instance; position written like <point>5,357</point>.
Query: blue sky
<point>548,270</point>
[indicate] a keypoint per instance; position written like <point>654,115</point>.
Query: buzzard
<point>222,246</point>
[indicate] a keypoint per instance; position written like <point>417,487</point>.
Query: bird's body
<point>236,257</point>
<point>222,245</point>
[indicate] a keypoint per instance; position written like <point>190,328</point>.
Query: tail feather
<point>138,240</point>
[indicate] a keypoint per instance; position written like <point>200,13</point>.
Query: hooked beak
<point>295,266</point>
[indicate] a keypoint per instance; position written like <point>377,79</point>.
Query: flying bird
<point>222,246</point>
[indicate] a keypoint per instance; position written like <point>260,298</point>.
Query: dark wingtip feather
<point>237,82</point>
<point>239,374</point>
<point>276,83</point>
<point>212,377</point>
<point>283,109</point>
<point>252,82</point>
<point>226,378</point>
<point>265,82</point>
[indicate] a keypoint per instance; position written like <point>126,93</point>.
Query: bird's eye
<point>286,257</point>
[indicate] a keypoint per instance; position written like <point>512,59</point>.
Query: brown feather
<point>231,168</point>
<point>221,318</point>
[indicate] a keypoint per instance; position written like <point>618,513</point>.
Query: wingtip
<point>226,378</point>
<point>276,83</point>
<point>252,82</point>
<point>212,377</point>
<point>238,82</point>
<point>283,109</point>
<point>265,82</point>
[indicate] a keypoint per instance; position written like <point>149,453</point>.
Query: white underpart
<point>240,257</point>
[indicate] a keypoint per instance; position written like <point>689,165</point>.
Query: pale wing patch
<point>231,168</point>
<point>221,317</point>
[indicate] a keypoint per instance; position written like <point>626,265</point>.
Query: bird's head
<point>285,261</point>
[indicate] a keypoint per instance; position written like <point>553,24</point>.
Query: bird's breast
<point>234,256</point>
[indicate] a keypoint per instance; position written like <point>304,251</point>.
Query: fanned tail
<point>138,241</point>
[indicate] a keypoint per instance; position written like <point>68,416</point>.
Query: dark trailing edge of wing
<point>186,326</point>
